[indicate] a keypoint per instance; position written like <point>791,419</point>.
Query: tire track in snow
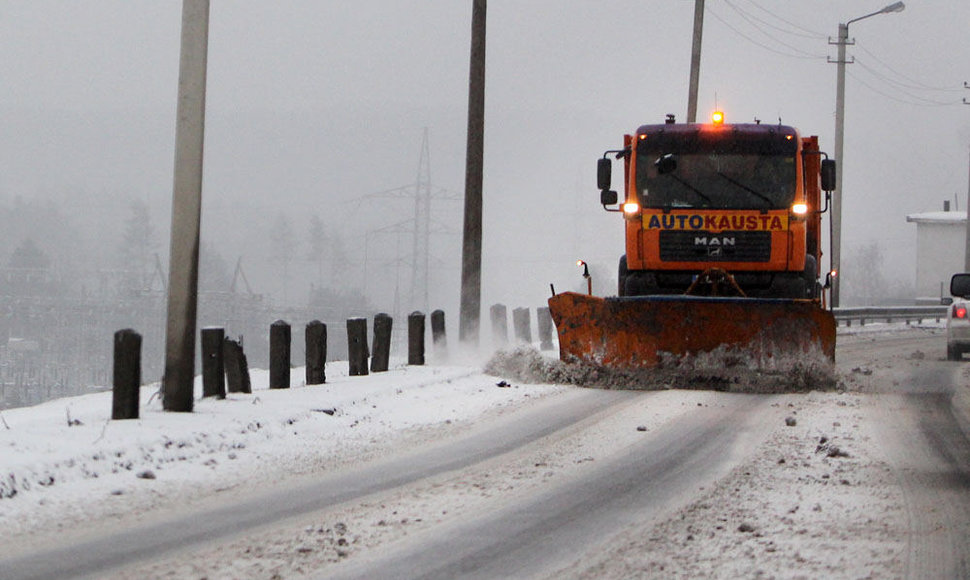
<point>537,534</point>
<point>92,558</point>
<point>925,444</point>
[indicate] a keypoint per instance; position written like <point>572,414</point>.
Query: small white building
<point>940,243</point>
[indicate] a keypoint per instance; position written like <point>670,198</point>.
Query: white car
<point>958,318</point>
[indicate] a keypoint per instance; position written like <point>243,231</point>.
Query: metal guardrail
<point>909,314</point>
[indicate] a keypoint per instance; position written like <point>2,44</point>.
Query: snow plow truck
<point>723,232</point>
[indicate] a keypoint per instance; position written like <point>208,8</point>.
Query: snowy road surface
<point>350,484</point>
<point>546,528</point>
<point>438,472</point>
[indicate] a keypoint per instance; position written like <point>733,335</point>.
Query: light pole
<point>836,258</point>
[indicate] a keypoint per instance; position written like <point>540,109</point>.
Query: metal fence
<point>866,314</point>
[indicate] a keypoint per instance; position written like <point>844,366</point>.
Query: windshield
<point>715,180</point>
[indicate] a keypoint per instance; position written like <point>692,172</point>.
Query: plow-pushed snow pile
<point>656,342</point>
<point>720,371</point>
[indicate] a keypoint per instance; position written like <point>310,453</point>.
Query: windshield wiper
<point>690,187</point>
<point>764,197</point>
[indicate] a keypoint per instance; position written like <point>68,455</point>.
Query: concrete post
<point>471,254</point>
<point>279,355</point>
<point>357,346</point>
<point>213,363</point>
<point>438,337</point>
<point>316,353</point>
<point>183,279</point>
<point>127,375</point>
<point>416,339</point>
<point>521,322</point>
<point>544,319</point>
<point>382,343</point>
<point>237,368</point>
<point>500,325</point>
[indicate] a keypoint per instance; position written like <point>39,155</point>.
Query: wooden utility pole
<point>183,281</point>
<point>471,251</point>
<point>695,61</point>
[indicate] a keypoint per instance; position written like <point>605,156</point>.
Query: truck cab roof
<point>690,137</point>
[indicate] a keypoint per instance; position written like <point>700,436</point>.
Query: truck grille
<point>701,246</point>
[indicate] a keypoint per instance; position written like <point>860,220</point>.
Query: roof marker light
<point>717,117</point>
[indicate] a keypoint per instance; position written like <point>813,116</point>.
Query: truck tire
<point>640,284</point>
<point>811,277</point>
<point>786,285</point>
<point>621,279</point>
<point>953,352</point>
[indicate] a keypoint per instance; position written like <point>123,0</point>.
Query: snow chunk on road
<point>795,510</point>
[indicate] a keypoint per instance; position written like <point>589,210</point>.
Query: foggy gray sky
<point>312,104</point>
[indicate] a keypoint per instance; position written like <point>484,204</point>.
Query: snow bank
<point>66,452</point>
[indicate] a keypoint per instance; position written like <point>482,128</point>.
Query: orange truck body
<point>737,207</point>
<point>764,245</point>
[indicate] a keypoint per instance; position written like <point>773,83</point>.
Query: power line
<point>817,35</point>
<point>752,20</point>
<point>925,103</point>
<point>894,85</point>
<point>897,85</point>
<point>805,33</point>
<point>804,54</point>
<point>419,228</point>
<point>914,84</point>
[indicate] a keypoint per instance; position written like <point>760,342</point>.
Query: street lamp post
<point>836,218</point>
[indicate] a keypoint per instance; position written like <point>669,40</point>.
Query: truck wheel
<point>811,277</point>
<point>953,352</point>
<point>641,284</point>
<point>787,285</point>
<point>623,273</point>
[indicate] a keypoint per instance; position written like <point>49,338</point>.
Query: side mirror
<point>960,285</point>
<point>828,175</point>
<point>946,300</point>
<point>828,279</point>
<point>608,197</point>
<point>604,173</point>
<point>666,164</point>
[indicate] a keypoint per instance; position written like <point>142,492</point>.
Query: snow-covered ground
<point>58,460</point>
<point>818,498</point>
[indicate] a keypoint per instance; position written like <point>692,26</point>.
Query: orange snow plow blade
<point>647,331</point>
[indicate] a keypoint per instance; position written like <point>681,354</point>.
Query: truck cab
<point>743,198</point>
